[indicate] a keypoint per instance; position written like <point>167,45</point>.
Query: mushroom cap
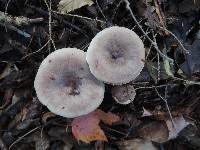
<point>123,94</point>
<point>115,55</point>
<point>65,84</point>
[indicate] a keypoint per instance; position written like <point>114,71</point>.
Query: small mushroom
<point>65,84</point>
<point>116,55</point>
<point>123,94</point>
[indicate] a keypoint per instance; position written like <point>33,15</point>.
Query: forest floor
<point>168,89</point>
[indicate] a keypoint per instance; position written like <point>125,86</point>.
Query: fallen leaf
<point>188,6</point>
<point>153,70</point>
<point>6,71</point>
<point>161,115</point>
<point>179,124</point>
<point>146,113</point>
<point>193,58</point>
<point>66,6</point>
<point>86,128</point>
<point>136,144</point>
<point>160,13</point>
<point>167,67</point>
<point>47,116</point>
<point>41,140</point>
<point>163,129</point>
<point>152,18</point>
<point>7,97</point>
<point>155,131</point>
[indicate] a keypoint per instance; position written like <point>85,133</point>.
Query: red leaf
<point>86,128</point>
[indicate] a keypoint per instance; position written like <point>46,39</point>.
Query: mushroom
<point>116,55</point>
<point>123,94</point>
<point>65,84</point>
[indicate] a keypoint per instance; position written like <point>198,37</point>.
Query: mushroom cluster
<point>70,82</point>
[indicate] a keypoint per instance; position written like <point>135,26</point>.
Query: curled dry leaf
<point>47,116</point>
<point>66,6</point>
<point>86,128</point>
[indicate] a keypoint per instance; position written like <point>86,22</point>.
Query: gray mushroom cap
<point>123,94</point>
<point>116,55</point>
<point>65,84</point>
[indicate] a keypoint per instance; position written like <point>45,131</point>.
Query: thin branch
<point>167,106</point>
<point>180,43</point>
<point>36,51</point>
<point>101,10</point>
<point>83,17</point>
<point>150,40</point>
<point>13,28</point>
<point>21,137</point>
<point>2,145</point>
<point>50,27</point>
<point>19,21</point>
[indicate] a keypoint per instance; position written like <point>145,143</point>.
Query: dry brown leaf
<point>163,130</point>
<point>161,115</point>
<point>136,144</point>
<point>47,115</point>
<point>6,71</point>
<point>66,6</point>
<point>179,124</point>
<point>155,131</point>
<point>86,128</point>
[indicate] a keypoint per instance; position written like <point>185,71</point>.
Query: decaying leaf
<point>66,6</point>
<point>6,71</point>
<point>136,144</point>
<point>168,68</point>
<point>193,57</point>
<point>155,131</point>
<point>86,128</point>
<point>162,74</point>
<point>164,128</point>
<point>152,18</point>
<point>7,97</point>
<point>47,115</point>
<point>189,5</point>
<point>179,124</point>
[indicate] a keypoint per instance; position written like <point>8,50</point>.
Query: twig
<point>6,8</point>
<point>180,43</point>
<point>167,106</point>
<point>13,28</point>
<point>101,10</point>
<point>50,28</point>
<point>158,62</point>
<point>153,87</point>
<point>20,20</point>
<point>59,18</point>
<point>160,13</point>
<point>186,81</point>
<point>150,40</point>
<point>2,145</point>
<point>21,137</point>
<point>83,17</point>
<point>35,51</point>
